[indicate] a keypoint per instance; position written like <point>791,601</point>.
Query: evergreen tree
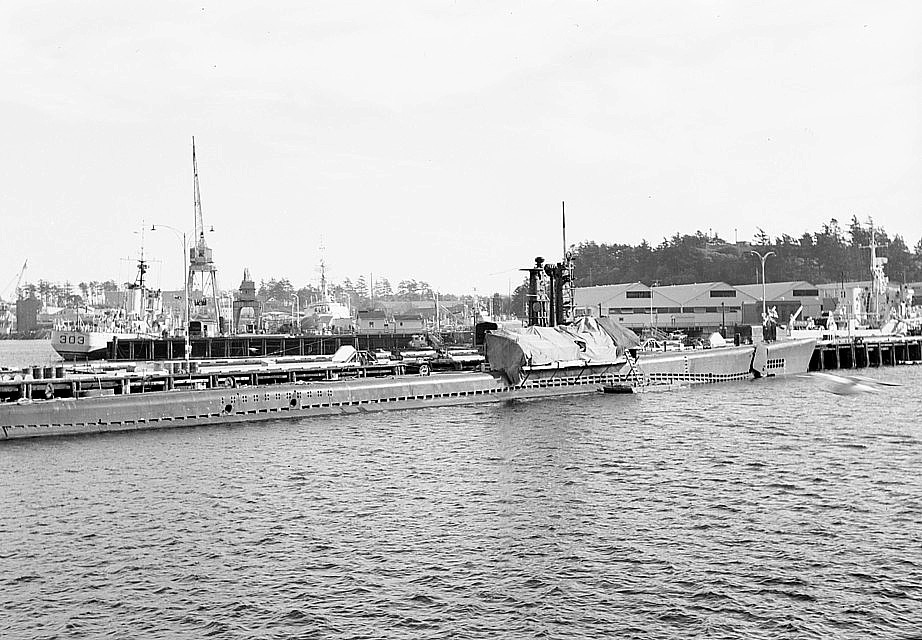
<point>383,288</point>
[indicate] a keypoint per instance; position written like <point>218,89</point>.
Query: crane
<point>202,273</point>
<point>200,245</point>
<point>18,278</point>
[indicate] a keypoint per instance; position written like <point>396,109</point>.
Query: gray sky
<point>436,140</point>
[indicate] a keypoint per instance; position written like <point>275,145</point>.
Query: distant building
<point>373,321</point>
<point>702,306</point>
<point>409,323</point>
<point>787,297</point>
<point>27,310</point>
<point>614,300</point>
<point>452,313</point>
<point>708,305</point>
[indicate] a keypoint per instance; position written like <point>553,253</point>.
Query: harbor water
<point>764,509</point>
<point>15,354</point>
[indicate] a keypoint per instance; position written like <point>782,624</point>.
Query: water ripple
<point>744,510</point>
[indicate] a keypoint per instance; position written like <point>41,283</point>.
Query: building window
<point>637,294</point>
<point>371,323</point>
<point>805,293</point>
<point>723,293</point>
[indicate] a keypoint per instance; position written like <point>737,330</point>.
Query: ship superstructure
<point>139,315</point>
<point>328,314</point>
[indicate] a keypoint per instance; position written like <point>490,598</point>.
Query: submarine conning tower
<point>546,303</point>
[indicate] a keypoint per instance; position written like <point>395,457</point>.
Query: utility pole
<point>654,284</point>
<point>762,259</point>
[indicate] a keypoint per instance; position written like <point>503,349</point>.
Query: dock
<point>263,345</point>
<point>867,351</point>
<point>124,379</point>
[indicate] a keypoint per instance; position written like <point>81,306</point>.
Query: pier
<point>264,345</point>
<point>867,351</point>
<point>59,382</point>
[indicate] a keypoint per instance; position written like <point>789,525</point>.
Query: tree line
<point>360,293</point>
<point>831,254</point>
<point>63,294</point>
<point>834,253</point>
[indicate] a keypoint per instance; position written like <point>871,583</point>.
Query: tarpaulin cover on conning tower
<point>595,344</point>
<point>623,337</point>
<point>510,351</point>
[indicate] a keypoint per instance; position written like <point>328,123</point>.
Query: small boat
<point>618,388</point>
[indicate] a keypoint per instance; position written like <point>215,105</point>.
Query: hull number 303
<point>71,339</point>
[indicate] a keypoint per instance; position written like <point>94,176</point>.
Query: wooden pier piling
<point>866,351</point>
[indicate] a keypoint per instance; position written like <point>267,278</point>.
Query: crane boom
<point>18,279</point>
<point>199,224</point>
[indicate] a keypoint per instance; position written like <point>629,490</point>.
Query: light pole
<point>763,258</point>
<point>185,280</point>
<point>654,284</point>
<point>295,313</point>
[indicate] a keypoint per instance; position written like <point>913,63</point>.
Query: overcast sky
<point>437,140</point>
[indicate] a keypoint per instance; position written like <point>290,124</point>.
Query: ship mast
<point>142,266</point>
<point>569,304</point>
<point>878,277</point>
<point>323,274</point>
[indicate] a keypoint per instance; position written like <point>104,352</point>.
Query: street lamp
<point>295,313</point>
<point>655,283</point>
<point>185,279</point>
<point>763,258</point>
